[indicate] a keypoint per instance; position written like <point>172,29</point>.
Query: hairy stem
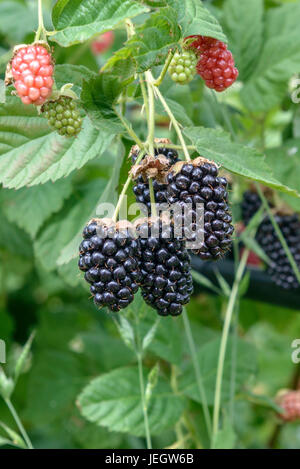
<point>199,380</point>
<point>19,423</point>
<point>159,80</point>
<point>41,28</point>
<point>130,130</point>
<point>144,94</point>
<point>223,345</point>
<point>151,116</point>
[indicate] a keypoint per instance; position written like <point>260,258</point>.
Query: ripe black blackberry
<point>141,186</point>
<point>251,203</point>
<point>195,183</point>
<point>280,269</point>
<point>165,268</point>
<point>109,257</point>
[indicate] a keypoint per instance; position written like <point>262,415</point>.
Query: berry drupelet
<point>280,269</point>
<point>165,268</point>
<point>109,256</point>
<point>141,186</point>
<point>182,68</point>
<point>63,116</point>
<point>197,184</point>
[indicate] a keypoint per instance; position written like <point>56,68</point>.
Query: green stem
<point>175,147</point>
<point>151,116</point>
<point>159,80</point>
<point>279,233</point>
<point>130,130</point>
<point>41,28</point>
<point>174,122</point>
<point>124,190</point>
<point>199,380</point>
<point>19,423</point>
<point>152,198</point>
<point>145,410</point>
<point>145,97</point>
<point>223,345</point>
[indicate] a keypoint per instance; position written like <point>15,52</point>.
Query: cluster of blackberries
<point>197,184</point>
<point>209,58</point>
<point>167,283</point>
<point>109,257</point>
<point>141,184</point>
<point>63,116</point>
<point>280,270</point>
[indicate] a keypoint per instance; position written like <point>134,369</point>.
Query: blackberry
<point>109,256</point>
<point>141,187</point>
<point>251,203</point>
<point>280,270</point>
<point>197,184</point>
<point>63,116</point>
<point>165,267</point>
<point>182,68</point>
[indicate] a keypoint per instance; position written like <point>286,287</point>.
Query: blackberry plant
<point>63,116</point>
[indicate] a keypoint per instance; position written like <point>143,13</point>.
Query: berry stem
<point>279,233</point>
<point>129,129</point>
<point>19,423</point>
<point>199,380</point>
<point>151,115</point>
<point>41,31</point>
<point>145,97</point>
<point>124,190</point>
<point>159,80</point>
<point>145,410</point>
<point>223,346</point>
<point>172,146</point>
<point>172,118</point>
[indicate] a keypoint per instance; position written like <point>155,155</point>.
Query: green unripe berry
<point>182,68</point>
<point>63,116</point>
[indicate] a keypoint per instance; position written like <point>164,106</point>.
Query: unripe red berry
<point>103,42</point>
<point>32,71</point>
<point>290,402</point>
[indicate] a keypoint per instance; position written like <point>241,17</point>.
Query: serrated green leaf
<point>34,205</point>
<point>78,20</point>
<point>148,338</point>
<point>98,97</point>
<point>74,74</point>
<point>207,357</point>
<point>113,400</point>
<point>152,41</point>
<point>31,154</point>
<point>217,146</point>
<point>243,25</point>
<point>194,18</point>
<point>126,332</point>
<point>63,226</point>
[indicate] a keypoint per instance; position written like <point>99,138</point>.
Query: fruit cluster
<point>63,116</point>
<point>32,72</point>
<point>156,253</point>
<point>280,269</point>
<point>208,57</point>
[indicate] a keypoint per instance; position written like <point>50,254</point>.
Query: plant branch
<point>223,345</point>
<point>19,423</point>
<point>130,130</point>
<point>151,115</point>
<point>199,380</point>
<point>159,80</point>
<point>41,28</point>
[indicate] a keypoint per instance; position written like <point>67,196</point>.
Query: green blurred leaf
<point>20,364</point>
<point>78,20</point>
<point>15,439</point>
<point>245,161</point>
<point>226,437</point>
<point>113,400</point>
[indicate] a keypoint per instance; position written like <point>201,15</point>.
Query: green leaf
<point>31,154</point>
<point>19,367</point>
<point>217,146</point>
<point>152,41</point>
<point>126,332</point>
<point>269,81</point>
<point>204,281</point>
<point>78,20</point>
<point>207,357</point>
<point>148,338</point>
<point>98,97</point>
<point>15,439</point>
<point>14,239</point>
<point>113,400</point>
<point>226,437</point>
<point>194,18</point>
<point>63,226</point>
<point>243,25</point>
<point>35,204</point>
<point>75,74</point>
<point>16,20</point>
<point>7,385</point>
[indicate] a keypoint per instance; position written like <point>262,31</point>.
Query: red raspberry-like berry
<point>103,42</point>
<point>216,67</point>
<point>290,402</point>
<point>32,71</point>
<point>202,43</point>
